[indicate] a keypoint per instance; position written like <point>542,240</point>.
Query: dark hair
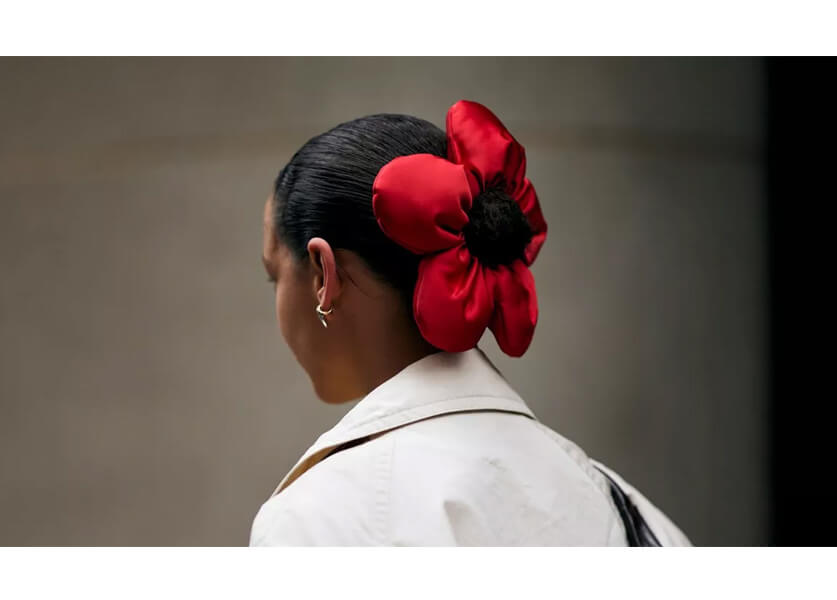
<point>325,191</point>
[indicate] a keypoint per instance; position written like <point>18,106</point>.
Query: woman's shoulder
<point>466,478</point>
<point>663,527</point>
<point>521,463</point>
<point>335,502</point>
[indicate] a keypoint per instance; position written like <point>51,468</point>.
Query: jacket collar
<point>437,384</point>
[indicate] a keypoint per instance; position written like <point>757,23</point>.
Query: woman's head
<point>334,236</point>
<point>324,194</point>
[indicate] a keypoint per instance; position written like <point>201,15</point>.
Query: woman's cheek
<point>281,317</point>
<point>288,313</point>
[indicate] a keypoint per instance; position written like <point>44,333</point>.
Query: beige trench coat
<point>447,453</point>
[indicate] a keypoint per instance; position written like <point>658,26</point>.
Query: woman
<point>393,246</point>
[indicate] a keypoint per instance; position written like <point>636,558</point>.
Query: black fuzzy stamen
<point>497,232</point>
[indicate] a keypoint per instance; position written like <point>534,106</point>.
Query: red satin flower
<point>422,201</point>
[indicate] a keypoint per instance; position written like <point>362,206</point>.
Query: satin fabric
<point>444,453</point>
<point>421,201</point>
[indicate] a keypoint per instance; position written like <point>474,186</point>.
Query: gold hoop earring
<point>322,314</point>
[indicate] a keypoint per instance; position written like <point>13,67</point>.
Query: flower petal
<point>452,302</point>
<point>515,308</point>
<point>527,199</point>
<point>477,139</point>
<point>420,202</point>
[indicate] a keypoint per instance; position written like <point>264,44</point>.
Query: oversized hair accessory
<point>467,279</point>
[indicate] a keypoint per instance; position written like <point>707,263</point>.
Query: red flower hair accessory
<point>425,203</point>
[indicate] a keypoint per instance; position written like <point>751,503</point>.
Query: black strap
<point>347,445</point>
<point>637,529</point>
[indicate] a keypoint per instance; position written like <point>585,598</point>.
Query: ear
<point>327,283</point>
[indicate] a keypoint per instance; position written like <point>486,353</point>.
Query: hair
<point>325,191</point>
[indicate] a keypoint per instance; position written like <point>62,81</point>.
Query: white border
<point>429,27</point>
<point>417,573</point>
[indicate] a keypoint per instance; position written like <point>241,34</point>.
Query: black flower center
<point>497,232</point>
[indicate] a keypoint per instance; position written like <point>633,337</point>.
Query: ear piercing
<point>322,314</point>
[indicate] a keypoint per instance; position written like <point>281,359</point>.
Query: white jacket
<point>445,452</point>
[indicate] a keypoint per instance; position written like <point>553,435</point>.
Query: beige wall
<point>146,397</point>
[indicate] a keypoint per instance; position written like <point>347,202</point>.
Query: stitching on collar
<point>407,409</point>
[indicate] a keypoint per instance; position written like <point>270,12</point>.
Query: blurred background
<point>146,396</point>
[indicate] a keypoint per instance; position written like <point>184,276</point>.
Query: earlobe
<point>327,284</point>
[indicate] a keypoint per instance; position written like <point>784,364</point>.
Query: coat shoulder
<point>340,501</point>
<point>492,478</point>
<point>483,478</point>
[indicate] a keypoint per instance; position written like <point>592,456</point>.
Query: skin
<point>371,334</point>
